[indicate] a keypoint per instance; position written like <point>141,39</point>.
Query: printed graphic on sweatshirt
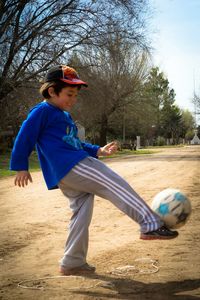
<point>71,138</point>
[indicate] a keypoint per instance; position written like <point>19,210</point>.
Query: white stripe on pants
<point>92,177</point>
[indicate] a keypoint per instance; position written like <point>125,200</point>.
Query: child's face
<point>66,98</point>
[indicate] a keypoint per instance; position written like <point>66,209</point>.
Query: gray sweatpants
<point>92,177</point>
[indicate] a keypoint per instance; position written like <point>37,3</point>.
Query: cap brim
<point>75,82</point>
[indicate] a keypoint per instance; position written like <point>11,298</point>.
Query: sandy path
<point>34,224</point>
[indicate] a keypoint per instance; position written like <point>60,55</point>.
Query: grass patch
<point>5,161</point>
<point>165,146</point>
<point>130,152</point>
<point>34,163</point>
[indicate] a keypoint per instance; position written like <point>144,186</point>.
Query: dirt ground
<point>33,229</point>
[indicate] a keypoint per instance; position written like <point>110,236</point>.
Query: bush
<point>160,141</point>
<point>189,135</point>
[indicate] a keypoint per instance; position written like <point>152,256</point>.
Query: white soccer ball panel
<point>172,206</point>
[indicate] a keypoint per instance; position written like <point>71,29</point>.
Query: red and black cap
<point>64,73</point>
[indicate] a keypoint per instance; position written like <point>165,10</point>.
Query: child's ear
<point>51,91</point>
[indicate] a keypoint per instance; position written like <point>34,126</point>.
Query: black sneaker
<point>162,233</point>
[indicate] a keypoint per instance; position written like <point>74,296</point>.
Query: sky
<point>175,27</point>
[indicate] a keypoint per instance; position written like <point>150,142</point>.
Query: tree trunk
<point>103,130</point>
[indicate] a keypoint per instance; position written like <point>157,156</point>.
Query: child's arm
<point>25,143</point>
<point>90,149</point>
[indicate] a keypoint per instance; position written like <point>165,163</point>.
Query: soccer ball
<point>173,207</point>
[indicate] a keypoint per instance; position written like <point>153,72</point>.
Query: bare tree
<point>34,34</point>
<point>114,72</point>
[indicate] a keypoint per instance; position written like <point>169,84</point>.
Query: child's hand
<point>108,149</point>
<point>22,178</point>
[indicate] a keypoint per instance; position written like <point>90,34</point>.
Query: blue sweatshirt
<point>55,136</point>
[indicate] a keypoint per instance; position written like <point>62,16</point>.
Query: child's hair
<point>58,85</point>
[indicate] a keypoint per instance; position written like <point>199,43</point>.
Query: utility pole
<point>195,140</point>
<point>195,101</point>
<point>124,126</point>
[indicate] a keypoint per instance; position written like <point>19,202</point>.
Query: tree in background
<point>146,108</point>
<point>114,72</point>
<point>36,34</point>
<point>155,94</point>
<point>153,114</point>
<point>156,98</point>
<point>187,125</point>
<point>107,43</point>
<point>162,117</point>
<point>170,122</point>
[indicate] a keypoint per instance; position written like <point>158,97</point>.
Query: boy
<point>73,166</point>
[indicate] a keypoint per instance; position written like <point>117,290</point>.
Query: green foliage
<point>170,121</point>
<point>130,152</point>
<point>189,134</point>
<point>5,160</point>
<point>155,100</point>
<point>148,111</point>
<point>187,125</point>
<point>160,141</point>
<point>157,95</point>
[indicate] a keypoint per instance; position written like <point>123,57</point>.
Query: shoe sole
<point>76,272</point>
<point>157,237</point>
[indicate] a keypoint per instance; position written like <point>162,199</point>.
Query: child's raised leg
<point>93,176</point>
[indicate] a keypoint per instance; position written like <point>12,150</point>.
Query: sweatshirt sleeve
<point>90,149</point>
<point>27,138</point>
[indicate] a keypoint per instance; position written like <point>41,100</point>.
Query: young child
<point>73,166</point>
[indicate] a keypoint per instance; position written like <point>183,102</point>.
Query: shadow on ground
<point>123,288</point>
